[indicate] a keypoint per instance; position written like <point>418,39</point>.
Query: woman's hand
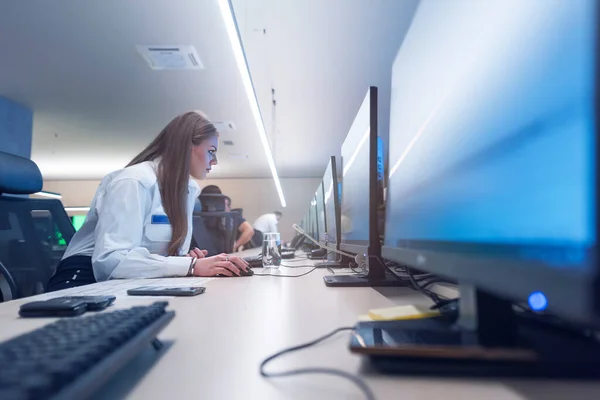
<point>221,264</point>
<point>196,252</point>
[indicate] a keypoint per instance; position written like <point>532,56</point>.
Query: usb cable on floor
<point>316,370</point>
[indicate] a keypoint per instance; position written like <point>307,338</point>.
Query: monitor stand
<point>376,276</point>
<point>335,261</point>
<point>318,254</point>
<point>487,339</point>
<point>331,264</point>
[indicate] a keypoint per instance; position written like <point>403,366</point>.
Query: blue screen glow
<point>492,130</point>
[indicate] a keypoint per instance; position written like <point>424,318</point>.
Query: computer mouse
<point>242,273</point>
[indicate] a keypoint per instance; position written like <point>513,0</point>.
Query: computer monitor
<point>332,204</point>
<point>78,221</point>
<point>298,239</point>
<point>312,228</point>
<point>362,174</point>
<point>320,209</point>
<point>303,223</point>
<point>493,157</point>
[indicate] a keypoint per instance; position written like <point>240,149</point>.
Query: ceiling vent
<point>237,156</point>
<point>223,126</point>
<point>171,57</point>
<point>228,142</point>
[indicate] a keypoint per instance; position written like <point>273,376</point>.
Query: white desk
<point>218,339</point>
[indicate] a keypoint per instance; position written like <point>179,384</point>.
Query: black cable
<point>288,276</point>
<point>433,296</point>
<point>430,281</point>
<point>296,266</point>
<point>389,269</point>
<point>294,259</point>
<point>329,371</point>
<point>354,271</point>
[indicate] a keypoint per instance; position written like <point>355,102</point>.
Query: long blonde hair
<point>174,146</point>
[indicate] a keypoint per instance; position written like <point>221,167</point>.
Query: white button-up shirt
<point>266,223</point>
<point>127,232</point>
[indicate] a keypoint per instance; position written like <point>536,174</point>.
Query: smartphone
<point>94,303</point>
<point>57,307</point>
<point>166,291</point>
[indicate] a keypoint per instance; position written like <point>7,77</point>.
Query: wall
<point>255,196</point>
<point>16,124</point>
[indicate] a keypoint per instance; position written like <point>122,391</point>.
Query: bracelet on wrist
<point>192,266</point>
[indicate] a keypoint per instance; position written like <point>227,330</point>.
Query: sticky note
<point>402,312</point>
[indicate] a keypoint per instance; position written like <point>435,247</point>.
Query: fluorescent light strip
<point>238,52</point>
<point>51,195</point>
<point>77,209</point>
<point>355,154</point>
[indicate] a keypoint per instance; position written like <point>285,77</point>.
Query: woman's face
<point>203,157</point>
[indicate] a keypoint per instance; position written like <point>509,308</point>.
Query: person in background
<point>267,223</point>
<point>243,228</point>
<point>140,220</point>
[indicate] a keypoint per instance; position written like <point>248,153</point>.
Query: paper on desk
<point>402,312</point>
<point>119,287</point>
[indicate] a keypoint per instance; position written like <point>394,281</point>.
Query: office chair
<point>216,232</point>
<point>220,229</point>
<point>34,233</point>
<point>201,238</point>
<point>8,287</point>
<point>212,202</point>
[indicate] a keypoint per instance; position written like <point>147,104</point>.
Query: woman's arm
<point>119,232</point>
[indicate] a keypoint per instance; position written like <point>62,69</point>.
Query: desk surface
<point>218,339</point>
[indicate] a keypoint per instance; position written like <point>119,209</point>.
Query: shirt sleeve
<point>273,224</point>
<point>118,252</point>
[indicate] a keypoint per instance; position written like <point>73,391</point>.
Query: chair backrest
<point>19,175</point>
<point>34,233</point>
<point>212,202</point>
<point>220,231</point>
<point>202,237</point>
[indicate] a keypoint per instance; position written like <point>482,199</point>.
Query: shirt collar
<point>194,187</point>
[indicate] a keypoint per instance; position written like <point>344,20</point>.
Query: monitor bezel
<point>373,247</point>
<point>514,279</point>
<point>335,195</point>
<point>322,234</point>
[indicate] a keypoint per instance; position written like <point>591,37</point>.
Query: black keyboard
<point>72,358</point>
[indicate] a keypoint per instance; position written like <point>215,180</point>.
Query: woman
<point>140,220</point>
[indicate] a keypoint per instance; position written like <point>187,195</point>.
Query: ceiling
<point>320,57</point>
<point>97,103</point>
